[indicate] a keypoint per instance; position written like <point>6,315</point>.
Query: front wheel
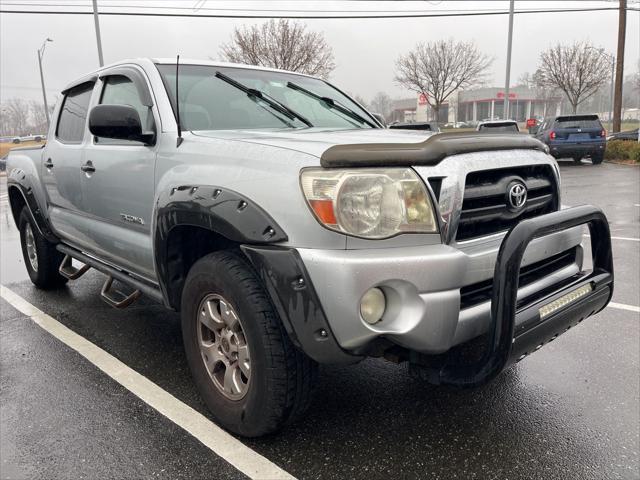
<point>40,256</point>
<point>248,372</point>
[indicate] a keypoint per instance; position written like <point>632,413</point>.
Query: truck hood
<point>315,141</point>
<point>380,147</point>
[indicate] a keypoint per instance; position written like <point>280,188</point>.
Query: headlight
<point>369,203</point>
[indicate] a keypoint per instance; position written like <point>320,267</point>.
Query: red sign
<point>422,99</point>
<point>511,95</point>
<point>531,122</point>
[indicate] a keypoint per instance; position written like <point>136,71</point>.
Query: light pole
<point>613,73</point>
<point>96,21</point>
<point>44,92</point>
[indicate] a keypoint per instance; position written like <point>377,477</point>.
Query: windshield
<point>207,102</point>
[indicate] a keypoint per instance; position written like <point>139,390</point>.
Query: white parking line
<point>622,306</point>
<point>246,460</point>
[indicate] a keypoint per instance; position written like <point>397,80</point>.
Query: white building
<point>485,103</point>
<point>524,103</point>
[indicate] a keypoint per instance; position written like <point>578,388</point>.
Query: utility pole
<point>96,20</point>
<point>505,107</point>
<point>622,30</point>
<point>44,91</point>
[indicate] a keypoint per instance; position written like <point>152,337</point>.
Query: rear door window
<point>73,114</point>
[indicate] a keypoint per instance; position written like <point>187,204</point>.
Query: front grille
<point>481,292</point>
<point>485,208</point>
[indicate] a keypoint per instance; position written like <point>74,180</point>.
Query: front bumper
<point>318,292</point>
<point>422,285</point>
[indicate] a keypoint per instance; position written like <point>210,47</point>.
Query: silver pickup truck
<point>289,228</point>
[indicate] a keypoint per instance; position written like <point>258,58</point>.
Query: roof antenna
<point>180,139</point>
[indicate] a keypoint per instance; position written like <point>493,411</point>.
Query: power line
<point>318,17</point>
<point>237,9</point>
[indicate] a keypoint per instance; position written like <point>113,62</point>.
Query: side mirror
<point>120,122</point>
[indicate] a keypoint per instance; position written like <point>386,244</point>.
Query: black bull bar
<point>517,330</point>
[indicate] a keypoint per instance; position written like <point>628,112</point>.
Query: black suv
<point>574,136</point>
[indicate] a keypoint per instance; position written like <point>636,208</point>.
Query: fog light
<point>565,300</point>
<point>372,305</point>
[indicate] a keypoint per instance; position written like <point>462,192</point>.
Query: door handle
<point>48,163</point>
<point>88,167</point>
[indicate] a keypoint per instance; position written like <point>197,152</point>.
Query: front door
<point>118,183</point>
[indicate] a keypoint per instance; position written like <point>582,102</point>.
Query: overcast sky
<point>365,50</point>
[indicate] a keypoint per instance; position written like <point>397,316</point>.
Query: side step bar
<point>113,273</point>
<point>69,271</point>
<point>116,298</point>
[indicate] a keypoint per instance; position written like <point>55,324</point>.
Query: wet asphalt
<point>572,410</point>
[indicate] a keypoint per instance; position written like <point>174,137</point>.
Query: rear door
<point>63,157</point>
<point>119,188</point>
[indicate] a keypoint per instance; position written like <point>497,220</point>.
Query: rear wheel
<point>248,372</point>
<point>40,256</point>
<point>577,160</point>
<point>597,158</point>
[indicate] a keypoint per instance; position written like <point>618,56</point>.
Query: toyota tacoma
<point>290,229</point>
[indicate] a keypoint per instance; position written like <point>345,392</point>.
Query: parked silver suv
<point>290,229</point>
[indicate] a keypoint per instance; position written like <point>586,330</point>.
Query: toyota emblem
<point>517,195</point>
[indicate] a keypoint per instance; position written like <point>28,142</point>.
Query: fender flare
<point>17,179</point>
<point>220,210</point>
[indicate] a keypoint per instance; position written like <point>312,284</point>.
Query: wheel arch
<point>191,221</point>
<point>21,194</point>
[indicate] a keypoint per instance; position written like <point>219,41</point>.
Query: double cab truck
<point>290,229</point>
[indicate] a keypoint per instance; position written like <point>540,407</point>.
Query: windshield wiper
<point>331,103</point>
<point>266,98</point>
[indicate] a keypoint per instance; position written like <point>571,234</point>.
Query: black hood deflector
<point>430,152</point>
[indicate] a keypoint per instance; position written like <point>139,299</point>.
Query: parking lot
<point>571,410</point>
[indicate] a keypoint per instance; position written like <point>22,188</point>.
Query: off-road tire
<point>46,276</point>
<point>282,377</point>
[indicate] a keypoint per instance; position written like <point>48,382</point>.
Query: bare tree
<point>526,80</point>
<point>439,68</point>
<point>281,44</point>
<point>38,119</point>
<point>550,95</point>
<point>381,104</point>
<point>579,70</point>
<point>15,114</point>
